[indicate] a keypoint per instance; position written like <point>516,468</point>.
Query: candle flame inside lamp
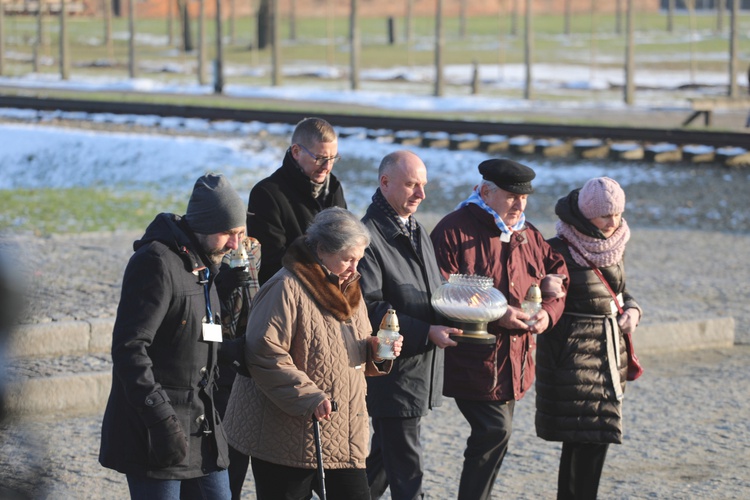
<point>470,302</point>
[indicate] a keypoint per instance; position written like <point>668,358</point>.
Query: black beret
<point>508,175</point>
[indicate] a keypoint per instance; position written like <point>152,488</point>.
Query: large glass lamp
<point>470,302</point>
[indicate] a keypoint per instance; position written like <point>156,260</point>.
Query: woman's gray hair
<point>336,229</point>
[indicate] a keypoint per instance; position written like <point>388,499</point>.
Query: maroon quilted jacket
<point>467,241</point>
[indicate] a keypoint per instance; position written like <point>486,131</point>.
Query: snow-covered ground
<point>38,155</point>
<point>34,156</point>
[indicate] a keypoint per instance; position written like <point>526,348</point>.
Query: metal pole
<point>528,92</point>
<point>64,63</point>
<point>131,41</point>
<point>319,458</point>
<point>629,56</point>
<point>355,44</point>
<point>219,67</point>
<point>733,34</point>
<point>2,37</point>
<point>201,42</point>
<point>276,75</point>
<point>439,42</point>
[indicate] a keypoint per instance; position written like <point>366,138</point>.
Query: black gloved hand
<point>167,442</point>
<point>229,279</point>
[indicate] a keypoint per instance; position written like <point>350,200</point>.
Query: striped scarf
<point>410,229</point>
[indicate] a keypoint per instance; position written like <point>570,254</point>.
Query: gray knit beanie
<point>214,206</point>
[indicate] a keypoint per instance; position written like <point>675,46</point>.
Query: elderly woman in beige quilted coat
<point>309,343</point>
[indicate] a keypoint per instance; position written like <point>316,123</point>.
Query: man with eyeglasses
<point>283,205</point>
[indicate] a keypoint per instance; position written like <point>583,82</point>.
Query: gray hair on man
<point>491,186</point>
<point>312,130</point>
<point>336,229</point>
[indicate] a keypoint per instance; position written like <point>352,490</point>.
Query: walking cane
<point>319,452</point>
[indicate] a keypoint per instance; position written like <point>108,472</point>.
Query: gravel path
<point>686,437</point>
<point>686,424</point>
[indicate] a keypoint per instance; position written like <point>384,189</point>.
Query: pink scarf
<point>602,253</point>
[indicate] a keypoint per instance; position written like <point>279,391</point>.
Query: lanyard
<point>208,296</point>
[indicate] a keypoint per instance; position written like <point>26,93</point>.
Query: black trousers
<point>581,467</point>
<point>395,458</point>
<point>238,461</point>
<point>238,465</point>
<point>491,425</point>
<point>279,482</point>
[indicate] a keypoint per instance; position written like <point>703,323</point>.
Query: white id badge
<point>212,332</point>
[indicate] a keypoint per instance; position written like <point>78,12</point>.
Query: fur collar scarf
<point>341,302</point>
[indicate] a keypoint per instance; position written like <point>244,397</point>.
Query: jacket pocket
<point>470,370</point>
<point>534,272</point>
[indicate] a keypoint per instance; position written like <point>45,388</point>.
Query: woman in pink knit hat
<point>582,363</point>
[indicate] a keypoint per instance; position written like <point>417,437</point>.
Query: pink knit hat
<point>601,196</point>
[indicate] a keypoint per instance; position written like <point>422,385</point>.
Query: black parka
<point>395,277</point>
<point>280,209</point>
<point>581,363</point>
<point>161,364</point>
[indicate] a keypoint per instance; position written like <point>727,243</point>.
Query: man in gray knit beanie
<point>214,206</point>
<point>160,427</point>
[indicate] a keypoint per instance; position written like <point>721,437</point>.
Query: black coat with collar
<point>395,277</point>
<point>280,209</point>
<point>161,364</point>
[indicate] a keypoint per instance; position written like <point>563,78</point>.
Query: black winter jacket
<point>581,363</point>
<point>395,277</point>
<point>280,209</point>
<point>161,365</point>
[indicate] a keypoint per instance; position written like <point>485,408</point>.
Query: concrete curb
<point>713,333</point>
<point>69,395</point>
<point>87,393</point>
<point>62,338</point>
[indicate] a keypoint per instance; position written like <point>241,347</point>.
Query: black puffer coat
<point>161,365</point>
<point>582,361</point>
<point>280,209</point>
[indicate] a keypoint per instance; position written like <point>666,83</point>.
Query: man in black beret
<point>508,175</point>
<point>488,235</point>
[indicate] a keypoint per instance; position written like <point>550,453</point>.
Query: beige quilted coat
<point>306,341</point>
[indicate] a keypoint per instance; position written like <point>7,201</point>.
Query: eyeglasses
<point>320,160</point>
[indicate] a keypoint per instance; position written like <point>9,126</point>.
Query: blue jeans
<point>214,486</point>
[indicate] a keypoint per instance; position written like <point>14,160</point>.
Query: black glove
<point>229,279</point>
<point>232,353</point>
<point>168,444</point>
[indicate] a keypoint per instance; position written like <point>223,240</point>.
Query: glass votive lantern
<point>470,302</point>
